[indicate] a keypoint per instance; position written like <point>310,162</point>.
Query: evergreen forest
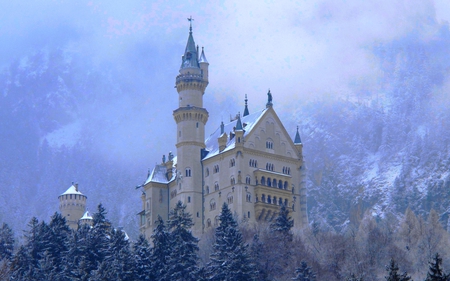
<point>410,249</point>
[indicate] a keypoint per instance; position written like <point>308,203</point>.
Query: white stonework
<point>250,163</point>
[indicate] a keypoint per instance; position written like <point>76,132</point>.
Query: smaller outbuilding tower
<point>72,205</point>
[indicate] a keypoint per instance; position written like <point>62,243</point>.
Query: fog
<point>302,51</point>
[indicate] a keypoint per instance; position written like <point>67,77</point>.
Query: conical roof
<point>86,216</point>
<point>297,139</point>
<point>190,57</point>
<point>72,190</point>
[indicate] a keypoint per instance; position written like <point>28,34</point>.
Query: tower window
<point>196,125</point>
<point>188,172</point>
<point>189,199</point>
<point>248,213</point>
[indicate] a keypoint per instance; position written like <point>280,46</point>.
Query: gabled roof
<point>72,190</point>
<point>159,174</point>
<point>212,145</point>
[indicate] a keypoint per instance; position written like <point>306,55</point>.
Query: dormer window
<point>269,144</point>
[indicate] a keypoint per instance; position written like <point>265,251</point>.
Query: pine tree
<point>281,240</point>
<point>435,271</point>
<point>160,252</point>
<point>75,265</point>
<point>119,258</point>
<point>182,260</point>
<point>6,242</point>
<point>256,253</point>
<point>230,259</point>
<point>304,273</point>
<point>142,254</point>
<point>393,274</point>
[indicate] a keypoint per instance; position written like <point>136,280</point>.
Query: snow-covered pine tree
<point>304,273</point>
<point>119,258</point>
<point>22,268</point>
<point>435,271</point>
<point>393,274</point>
<point>160,251</point>
<point>75,264</point>
<point>281,239</point>
<point>142,252</point>
<point>98,240</point>
<point>6,242</point>
<point>256,253</point>
<point>182,260</point>
<point>354,278</point>
<point>230,259</point>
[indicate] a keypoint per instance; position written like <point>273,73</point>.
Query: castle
<point>251,163</point>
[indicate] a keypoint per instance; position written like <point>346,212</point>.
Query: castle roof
<point>249,121</point>
<point>86,216</point>
<point>159,174</point>
<point>72,190</point>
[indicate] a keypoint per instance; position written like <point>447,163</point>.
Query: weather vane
<point>190,19</point>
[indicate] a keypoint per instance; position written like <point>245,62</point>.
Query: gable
<point>269,135</point>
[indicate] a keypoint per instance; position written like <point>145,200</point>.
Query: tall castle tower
<point>72,205</point>
<point>191,118</point>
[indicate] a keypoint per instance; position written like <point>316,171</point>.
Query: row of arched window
<point>269,167</point>
<point>253,163</point>
<point>286,170</point>
<point>274,183</point>
<point>273,200</point>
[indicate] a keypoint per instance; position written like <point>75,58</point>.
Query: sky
<point>301,50</point>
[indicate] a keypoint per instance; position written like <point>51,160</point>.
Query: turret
<point>204,65</point>
<point>87,219</point>
<point>239,133</point>
<point>298,143</point>
<point>72,205</point>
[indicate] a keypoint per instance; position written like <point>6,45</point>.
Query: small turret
<point>239,132</point>
<point>223,138</point>
<point>87,219</point>
<point>204,65</point>
<point>246,107</point>
<point>298,142</point>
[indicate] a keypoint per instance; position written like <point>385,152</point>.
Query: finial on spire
<point>190,19</point>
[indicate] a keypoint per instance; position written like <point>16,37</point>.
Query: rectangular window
<point>189,199</point>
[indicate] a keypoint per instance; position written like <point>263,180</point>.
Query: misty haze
<point>87,99</point>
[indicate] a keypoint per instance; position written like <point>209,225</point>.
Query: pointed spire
<point>203,57</point>
<point>297,139</point>
<point>239,124</point>
<point>190,57</point>
<point>246,107</point>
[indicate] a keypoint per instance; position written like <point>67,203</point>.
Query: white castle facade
<point>250,163</point>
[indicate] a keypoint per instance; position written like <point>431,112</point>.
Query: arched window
<point>208,223</point>
<point>269,199</point>
<point>248,197</point>
<point>230,198</point>
<point>263,180</point>
<point>232,163</point>
<point>263,198</point>
<point>274,200</point>
<point>269,144</point>
<point>285,185</point>
<point>269,182</point>
<point>280,201</point>
<point>207,190</point>
<point>247,180</point>
<point>207,172</point>
<point>216,186</point>
<point>286,202</point>
<point>212,204</point>
<point>216,169</point>
<point>280,184</point>
<point>188,172</point>
<point>232,180</point>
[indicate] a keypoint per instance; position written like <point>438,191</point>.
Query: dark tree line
<point>52,251</point>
